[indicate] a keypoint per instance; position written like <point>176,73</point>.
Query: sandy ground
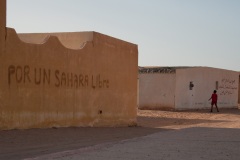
<point>28,144</point>
<point>226,118</point>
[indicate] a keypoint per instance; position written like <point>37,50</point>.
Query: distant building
<point>178,88</point>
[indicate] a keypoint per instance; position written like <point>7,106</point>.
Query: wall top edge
<point>71,40</point>
<point>172,69</point>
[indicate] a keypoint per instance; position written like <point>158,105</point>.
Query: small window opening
<point>191,85</point>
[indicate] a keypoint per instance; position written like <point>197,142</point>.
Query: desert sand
<point>41,143</point>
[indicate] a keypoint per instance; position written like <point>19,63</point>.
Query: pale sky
<point>167,32</point>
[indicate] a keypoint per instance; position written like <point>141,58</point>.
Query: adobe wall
<point>48,85</point>
<point>156,91</point>
<point>2,24</point>
<point>72,40</point>
<point>205,80</point>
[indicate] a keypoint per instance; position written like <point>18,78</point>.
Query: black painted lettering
<point>63,79</point>
<point>107,83</point>
<point>93,83</point>
<point>76,81</point>
<point>99,81</point>
<point>11,71</point>
<point>19,74</point>
<point>70,79</point>
<point>81,80</point>
<point>57,84</point>
<point>86,80</point>
<point>104,83</point>
<point>46,76</point>
<point>37,76</point>
<point>26,74</point>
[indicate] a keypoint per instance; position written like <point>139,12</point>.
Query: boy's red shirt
<point>214,97</point>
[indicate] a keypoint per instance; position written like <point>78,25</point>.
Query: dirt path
<point>21,144</point>
<point>226,118</point>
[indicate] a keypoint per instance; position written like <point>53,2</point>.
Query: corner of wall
<point>2,25</point>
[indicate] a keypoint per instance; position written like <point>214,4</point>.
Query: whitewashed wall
<point>204,80</point>
<point>156,91</point>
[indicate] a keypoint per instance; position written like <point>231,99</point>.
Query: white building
<point>178,88</point>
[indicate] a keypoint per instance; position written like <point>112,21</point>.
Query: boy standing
<point>214,98</point>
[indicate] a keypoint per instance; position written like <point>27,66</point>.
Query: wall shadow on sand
<point>20,144</point>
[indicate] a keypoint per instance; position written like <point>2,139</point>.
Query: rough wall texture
<point>156,91</point>
<point>205,80</point>
<point>2,25</point>
<point>48,85</point>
